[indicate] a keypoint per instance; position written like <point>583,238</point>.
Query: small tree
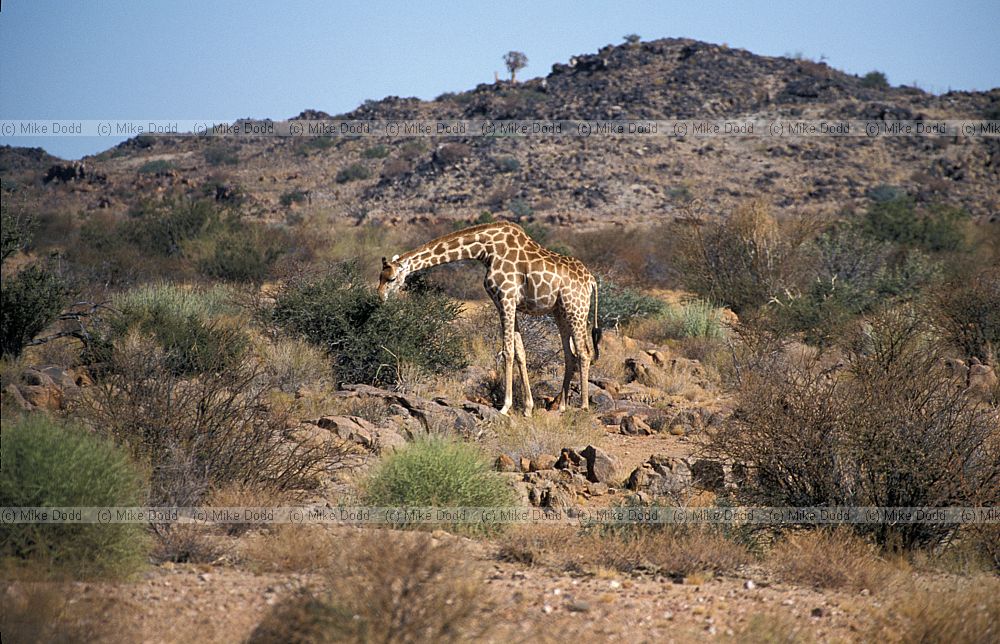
<point>632,39</point>
<point>875,80</point>
<point>515,61</point>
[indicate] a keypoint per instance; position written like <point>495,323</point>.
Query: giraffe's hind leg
<point>507,319</point>
<point>568,360</point>
<point>522,364</point>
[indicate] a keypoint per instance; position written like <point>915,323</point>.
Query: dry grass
<point>545,433</point>
<point>679,553</point>
<point>771,629</point>
<point>830,558</point>
<point>46,612</point>
<point>967,613</point>
<point>387,587</point>
<point>290,548</point>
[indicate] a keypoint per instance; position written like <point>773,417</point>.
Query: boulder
<point>600,465</point>
<point>661,476</point>
<point>542,462</point>
<point>505,464</point>
<point>633,425</point>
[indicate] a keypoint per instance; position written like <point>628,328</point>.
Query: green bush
<point>436,472</point>
<point>875,79</point>
<point>508,164</point>
<point>367,338</point>
<point>693,319</point>
<point>47,464</point>
<point>30,300</point>
<point>293,196</point>
<point>243,255</point>
<point>182,324</point>
<point>376,152</point>
<point>618,305</point>
<point>353,172</point>
<point>939,228</point>
<point>155,167</point>
<point>854,274</point>
<point>162,228</point>
<point>221,154</point>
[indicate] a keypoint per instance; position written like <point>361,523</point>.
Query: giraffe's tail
<point>595,332</point>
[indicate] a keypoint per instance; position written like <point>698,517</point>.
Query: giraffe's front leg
<point>507,326</point>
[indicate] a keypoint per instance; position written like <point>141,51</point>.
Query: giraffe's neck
<point>478,244</point>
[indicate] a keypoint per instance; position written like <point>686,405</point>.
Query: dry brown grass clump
<point>830,558</point>
<point>968,613</point>
<point>384,587</point>
<point>771,628</point>
<point>678,553</point>
<point>43,612</point>
<point>290,548</point>
<point>545,433</point>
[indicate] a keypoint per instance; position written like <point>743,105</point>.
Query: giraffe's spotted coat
<point>521,276</point>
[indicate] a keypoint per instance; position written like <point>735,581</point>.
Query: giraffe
<point>521,276</point>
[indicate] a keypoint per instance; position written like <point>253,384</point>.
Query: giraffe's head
<point>391,279</point>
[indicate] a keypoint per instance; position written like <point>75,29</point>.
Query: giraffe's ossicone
<point>521,276</point>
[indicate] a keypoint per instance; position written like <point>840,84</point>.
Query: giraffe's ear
<point>385,263</point>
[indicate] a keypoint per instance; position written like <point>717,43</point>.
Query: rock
<point>578,606</point>
<point>505,464</point>
<point>982,377</point>
<point>600,399</point>
<point>36,378</point>
<point>600,466</point>
<point>389,440</point>
<point>633,425</point>
<point>12,394</point>
<point>542,462</point>
<point>524,464</point>
<point>350,428</point>
<point>570,459</point>
<point>48,397</point>
<point>661,476</point>
<point>749,585</point>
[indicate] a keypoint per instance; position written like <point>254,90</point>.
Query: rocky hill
<point>572,180</point>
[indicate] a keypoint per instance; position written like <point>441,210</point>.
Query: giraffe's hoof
<point>527,412</point>
<point>505,410</point>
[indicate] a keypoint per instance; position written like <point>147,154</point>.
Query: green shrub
<point>156,166</point>
<point>15,232</point>
<point>295,196</point>
<point>181,323</point>
<point>618,305</point>
<point>47,464</point>
<point>244,254</point>
<point>163,227</point>
<point>508,164</point>
<point>30,300</point>
<point>221,154</point>
<point>367,338</point>
<point>520,208</point>
<point>939,228</point>
<point>436,472</point>
<point>353,172</point>
<point>376,152</point>
<point>693,319</point>
<point>875,80</point>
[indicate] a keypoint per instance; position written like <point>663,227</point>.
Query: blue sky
<point>187,60</point>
